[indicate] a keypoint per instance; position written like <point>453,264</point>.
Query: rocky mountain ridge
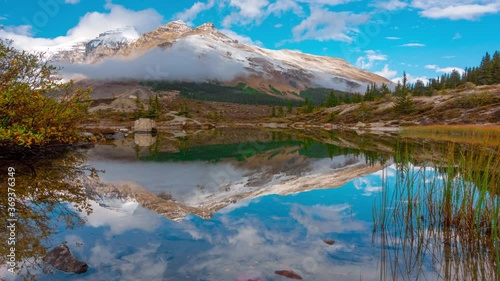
<point>210,51</point>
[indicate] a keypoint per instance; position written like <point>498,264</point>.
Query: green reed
<point>440,212</point>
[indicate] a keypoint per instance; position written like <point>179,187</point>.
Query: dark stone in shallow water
<point>289,274</point>
<point>329,241</point>
<point>61,258</point>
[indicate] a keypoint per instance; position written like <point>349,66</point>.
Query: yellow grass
<point>472,134</point>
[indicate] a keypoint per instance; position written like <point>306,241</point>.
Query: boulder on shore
<point>61,258</point>
<point>145,125</point>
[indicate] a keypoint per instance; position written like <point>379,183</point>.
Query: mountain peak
<point>178,26</point>
<point>207,26</point>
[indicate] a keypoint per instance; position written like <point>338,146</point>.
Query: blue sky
<point>425,38</point>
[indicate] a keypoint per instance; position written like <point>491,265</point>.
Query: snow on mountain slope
<point>90,51</point>
<point>176,51</point>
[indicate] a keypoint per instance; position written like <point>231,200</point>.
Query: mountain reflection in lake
<point>240,204</point>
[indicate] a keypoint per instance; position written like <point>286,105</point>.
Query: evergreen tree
<point>384,90</point>
<point>404,104</point>
<point>154,108</point>
<point>332,100</point>
<point>281,111</point>
<point>289,106</point>
<point>273,111</point>
<point>495,67</point>
<point>419,88</point>
<point>485,71</point>
<point>139,107</point>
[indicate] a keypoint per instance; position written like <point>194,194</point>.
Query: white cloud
<point>450,69</point>
<point>367,61</point>
<point>386,72</point>
<point>3,18</point>
<point>247,11</point>
<point>255,11</point>
<point>89,26</point>
<point>392,38</point>
<point>323,25</point>
<point>241,38</point>
<point>457,9</point>
<point>391,5</point>
<point>462,12</point>
<point>19,30</point>
<point>448,57</point>
<point>431,66</point>
<point>71,1</point>
<point>181,62</point>
<point>457,36</point>
<point>413,45</point>
<point>190,14</point>
<point>278,25</point>
<point>411,79</point>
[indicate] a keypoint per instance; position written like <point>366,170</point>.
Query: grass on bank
<point>442,215</point>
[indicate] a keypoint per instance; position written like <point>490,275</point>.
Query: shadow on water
<point>46,192</point>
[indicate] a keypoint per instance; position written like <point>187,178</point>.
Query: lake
<point>246,204</point>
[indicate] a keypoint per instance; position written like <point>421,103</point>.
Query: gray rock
<point>61,258</point>
<point>119,136</point>
<point>144,125</point>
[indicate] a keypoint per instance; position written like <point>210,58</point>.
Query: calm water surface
<point>269,200</point>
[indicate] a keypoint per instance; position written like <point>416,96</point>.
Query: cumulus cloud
<point>71,1</point>
<point>324,25</point>
<point>392,38</point>
<point>367,61</point>
<point>241,38</point>
<point>431,66</point>
<point>89,26</point>
<point>190,14</point>
<point>386,72</point>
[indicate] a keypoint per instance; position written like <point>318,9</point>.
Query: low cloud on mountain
<point>178,63</point>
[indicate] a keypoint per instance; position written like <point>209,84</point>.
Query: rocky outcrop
<point>144,125</point>
<point>61,258</point>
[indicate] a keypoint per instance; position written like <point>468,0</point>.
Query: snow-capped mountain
<point>205,54</point>
<point>92,51</point>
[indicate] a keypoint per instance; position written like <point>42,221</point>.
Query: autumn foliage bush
<point>36,108</point>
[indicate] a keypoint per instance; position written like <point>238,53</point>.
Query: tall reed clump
<point>440,216</point>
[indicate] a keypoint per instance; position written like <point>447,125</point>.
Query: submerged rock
<point>329,241</point>
<point>289,274</point>
<point>61,258</point>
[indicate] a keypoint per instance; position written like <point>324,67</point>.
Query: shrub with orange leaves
<point>36,108</point>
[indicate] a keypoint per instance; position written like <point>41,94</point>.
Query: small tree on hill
<point>404,104</point>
